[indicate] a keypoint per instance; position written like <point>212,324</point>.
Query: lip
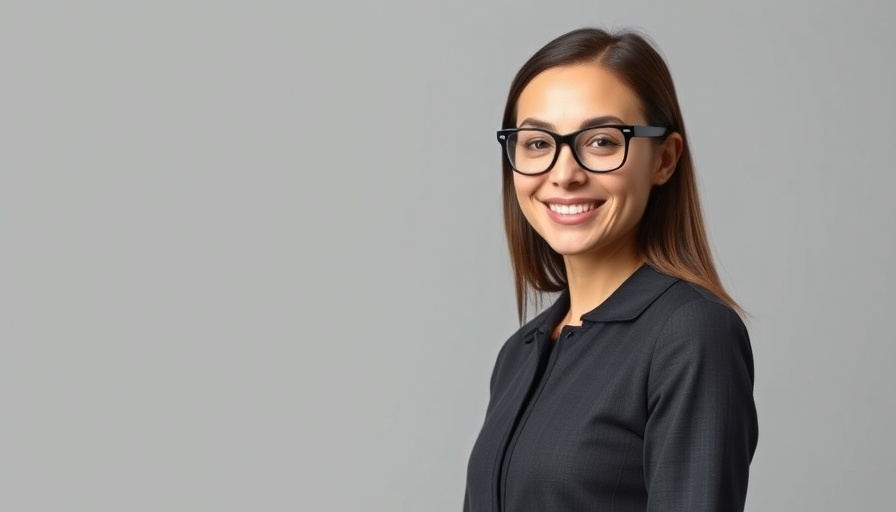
<point>572,200</point>
<point>577,218</point>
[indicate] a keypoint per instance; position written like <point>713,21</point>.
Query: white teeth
<point>571,209</point>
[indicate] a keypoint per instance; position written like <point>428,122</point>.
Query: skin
<point>600,253</point>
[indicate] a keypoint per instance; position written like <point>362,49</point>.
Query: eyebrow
<point>594,121</point>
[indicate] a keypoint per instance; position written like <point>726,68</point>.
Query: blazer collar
<point>631,298</point>
<point>626,303</point>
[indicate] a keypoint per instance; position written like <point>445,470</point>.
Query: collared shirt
<point>647,406</point>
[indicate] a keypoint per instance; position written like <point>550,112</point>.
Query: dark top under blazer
<point>647,406</point>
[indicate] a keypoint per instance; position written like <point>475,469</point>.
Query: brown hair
<point>672,237</point>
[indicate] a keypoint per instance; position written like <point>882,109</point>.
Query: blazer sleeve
<point>491,388</point>
<point>702,427</point>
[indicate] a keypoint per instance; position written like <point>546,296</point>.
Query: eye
<point>602,141</point>
<point>538,144</point>
<point>535,142</point>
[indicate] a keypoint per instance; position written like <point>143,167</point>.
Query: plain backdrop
<point>251,254</point>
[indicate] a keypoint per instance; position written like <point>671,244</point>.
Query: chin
<point>568,248</point>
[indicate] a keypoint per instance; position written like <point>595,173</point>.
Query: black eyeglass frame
<point>628,132</point>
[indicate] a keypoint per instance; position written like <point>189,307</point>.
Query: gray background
<point>252,256</point>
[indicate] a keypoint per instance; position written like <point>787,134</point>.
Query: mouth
<point>572,209</point>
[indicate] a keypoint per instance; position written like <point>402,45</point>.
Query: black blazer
<point>648,406</point>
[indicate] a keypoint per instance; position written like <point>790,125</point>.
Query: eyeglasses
<point>596,149</point>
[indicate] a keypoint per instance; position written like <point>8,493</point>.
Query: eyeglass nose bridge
<point>569,140</point>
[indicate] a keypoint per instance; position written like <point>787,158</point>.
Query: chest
<point>569,417</point>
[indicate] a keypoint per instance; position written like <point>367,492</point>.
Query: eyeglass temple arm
<point>650,131</point>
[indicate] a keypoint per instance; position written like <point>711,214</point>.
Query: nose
<point>567,172</point>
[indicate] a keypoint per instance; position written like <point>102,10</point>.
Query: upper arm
<point>702,428</point>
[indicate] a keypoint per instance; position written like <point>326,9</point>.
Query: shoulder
<point>519,346</point>
<point>525,334</point>
<point>700,333</point>
<point>688,309</point>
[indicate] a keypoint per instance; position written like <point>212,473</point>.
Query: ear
<point>668,158</point>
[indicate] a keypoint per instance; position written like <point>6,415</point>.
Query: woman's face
<point>609,205</point>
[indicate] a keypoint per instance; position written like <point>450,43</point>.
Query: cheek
<point>524,186</point>
<point>630,189</point>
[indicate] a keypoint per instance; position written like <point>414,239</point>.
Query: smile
<point>571,209</point>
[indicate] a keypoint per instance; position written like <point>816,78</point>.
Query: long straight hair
<point>672,237</point>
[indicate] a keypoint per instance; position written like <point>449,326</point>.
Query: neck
<point>592,278</point>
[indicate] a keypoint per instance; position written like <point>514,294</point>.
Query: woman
<point>633,391</point>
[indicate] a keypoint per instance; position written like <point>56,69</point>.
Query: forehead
<point>568,95</point>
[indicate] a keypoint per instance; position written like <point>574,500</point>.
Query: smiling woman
<point>633,391</point>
